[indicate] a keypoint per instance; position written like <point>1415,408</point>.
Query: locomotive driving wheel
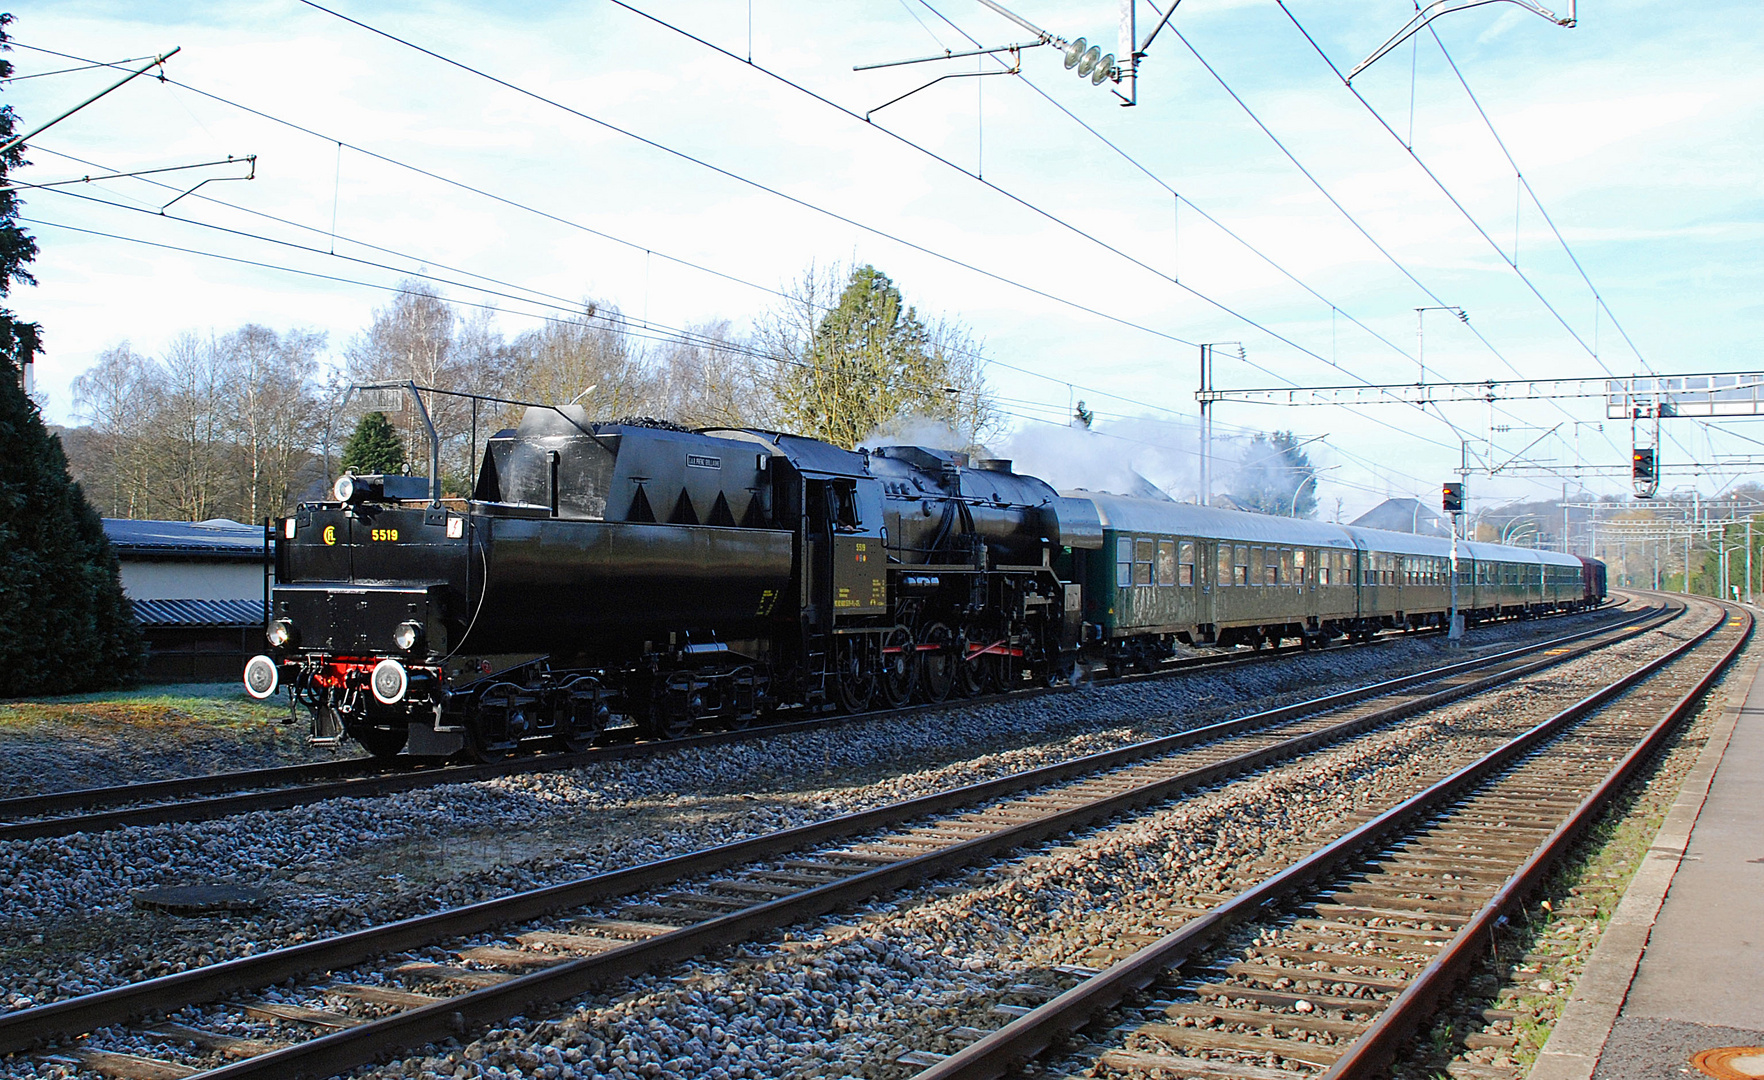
<point>937,662</point>
<point>853,679</point>
<point>971,671</point>
<point>900,669</point>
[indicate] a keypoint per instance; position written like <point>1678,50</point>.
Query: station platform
<point>1679,970</point>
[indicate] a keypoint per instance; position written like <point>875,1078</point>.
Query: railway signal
<point>1451,497</point>
<point>1645,471</point>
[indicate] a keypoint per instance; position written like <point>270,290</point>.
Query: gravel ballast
<point>347,863</point>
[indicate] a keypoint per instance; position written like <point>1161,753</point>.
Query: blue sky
<point>1639,130</point>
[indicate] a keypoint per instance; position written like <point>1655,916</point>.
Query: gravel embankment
<point>347,863</point>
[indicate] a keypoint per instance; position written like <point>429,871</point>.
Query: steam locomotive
<point>685,579</point>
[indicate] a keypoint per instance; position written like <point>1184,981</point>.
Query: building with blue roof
<point>197,590</point>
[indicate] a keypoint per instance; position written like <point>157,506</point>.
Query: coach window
<point>1299,564</point>
<point>1224,562</point>
<point>1142,561</point>
<point>1287,566</point>
<point>1123,562</point>
<point>1256,566</point>
<point>1325,560</point>
<point>1166,562</point>
<point>1185,564</point>
<point>1240,570</point>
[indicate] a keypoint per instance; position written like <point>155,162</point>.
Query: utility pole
<point>1748,560</point>
<point>1420,342</point>
<point>1206,426</point>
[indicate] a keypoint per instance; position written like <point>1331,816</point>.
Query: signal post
<point>1451,500</point>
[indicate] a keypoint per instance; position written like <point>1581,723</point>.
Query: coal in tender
<point>200,899</point>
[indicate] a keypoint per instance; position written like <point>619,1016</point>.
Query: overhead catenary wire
<point>1537,202</point>
<point>630,244</point>
<point>1447,192</point>
<point>1334,308</point>
<point>800,202</point>
<point>834,214</point>
<point>1038,374</point>
<point>1192,205</point>
<point>1055,218</point>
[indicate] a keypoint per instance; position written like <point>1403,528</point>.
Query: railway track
<point>1328,967</point>
<point>205,798</point>
<point>356,997</point>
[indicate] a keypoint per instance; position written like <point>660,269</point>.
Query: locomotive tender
<point>683,579</point>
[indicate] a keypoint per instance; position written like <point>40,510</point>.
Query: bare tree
<point>709,379</point>
<point>276,422</point>
<point>591,360</point>
<point>191,430</point>
<point>413,338</point>
<point>117,397</point>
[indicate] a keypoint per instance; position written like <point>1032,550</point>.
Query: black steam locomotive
<point>675,578</point>
<point>683,579</point>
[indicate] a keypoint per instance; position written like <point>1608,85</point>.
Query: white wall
<point>192,580</point>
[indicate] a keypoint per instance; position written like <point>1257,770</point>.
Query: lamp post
<point>1292,509</point>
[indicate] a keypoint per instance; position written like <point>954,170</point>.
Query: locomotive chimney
<point>1002,465</point>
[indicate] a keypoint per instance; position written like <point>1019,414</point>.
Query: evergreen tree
<point>373,447</point>
<point>65,625</point>
<point>870,362</point>
<point>1276,477</point>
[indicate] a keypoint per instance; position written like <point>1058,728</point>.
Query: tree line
<point>246,423</point>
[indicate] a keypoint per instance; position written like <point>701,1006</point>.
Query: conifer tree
<point>65,625</point>
<point>373,447</point>
<point>870,362</point>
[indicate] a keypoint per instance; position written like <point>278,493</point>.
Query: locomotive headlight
<point>280,633</point>
<point>407,635</point>
<point>344,488</point>
<point>261,677</point>
<point>389,681</point>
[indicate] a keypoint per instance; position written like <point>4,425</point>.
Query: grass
<point>148,710</point>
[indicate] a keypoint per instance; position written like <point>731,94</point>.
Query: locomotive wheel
<point>383,745</point>
<point>970,673</point>
<point>584,716</point>
<point>676,709</point>
<point>853,681</point>
<point>900,670</point>
<point>497,724</point>
<point>937,665</point>
<point>742,701</point>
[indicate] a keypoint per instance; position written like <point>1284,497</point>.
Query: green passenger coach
<point>1174,572</point>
